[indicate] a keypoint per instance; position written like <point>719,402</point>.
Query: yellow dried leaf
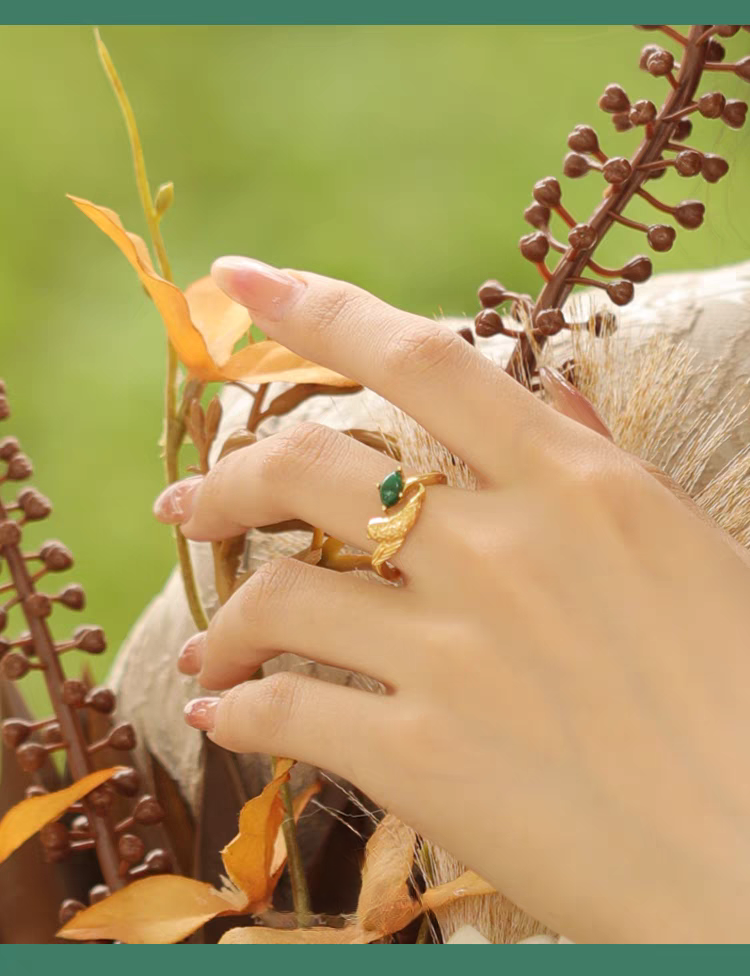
<point>204,343</point>
<point>248,857</point>
<point>27,817</point>
<point>155,911</point>
<point>466,885</point>
<point>219,320</point>
<point>259,935</point>
<point>385,904</point>
<point>169,300</point>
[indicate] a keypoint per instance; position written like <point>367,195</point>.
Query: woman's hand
<point>568,662</point>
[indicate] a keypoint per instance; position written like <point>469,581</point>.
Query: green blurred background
<point>400,158</point>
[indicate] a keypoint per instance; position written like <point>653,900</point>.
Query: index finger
<point>466,401</point>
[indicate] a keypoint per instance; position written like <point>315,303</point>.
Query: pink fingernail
<point>200,713</point>
<point>190,658</point>
<point>264,290</point>
<point>571,402</point>
<point>175,504</point>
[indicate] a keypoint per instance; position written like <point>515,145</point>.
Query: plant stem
<point>174,419</point>
<point>300,891</point>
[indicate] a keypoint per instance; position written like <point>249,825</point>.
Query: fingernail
<point>175,504</point>
<point>266,291</point>
<point>571,402</point>
<point>200,713</point>
<point>190,658</point>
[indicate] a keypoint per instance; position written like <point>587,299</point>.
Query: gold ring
<point>406,496</point>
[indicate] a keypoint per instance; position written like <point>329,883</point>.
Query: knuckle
<point>276,704</point>
<point>422,349</point>
<point>334,309</point>
<point>294,451</point>
<point>268,584</point>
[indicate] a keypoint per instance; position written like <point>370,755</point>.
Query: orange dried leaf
<point>155,911</point>
<point>466,885</point>
<point>219,320</point>
<point>248,857</point>
<point>27,817</point>
<point>259,935</point>
<point>169,300</point>
<point>385,904</point>
<point>270,362</point>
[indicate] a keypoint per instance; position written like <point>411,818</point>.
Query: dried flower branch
<point>121,853</point>
<point>665,131</point>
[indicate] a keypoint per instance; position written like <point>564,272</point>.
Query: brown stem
<point>556,291</point>
<point>257,409</point>
<point>70,726</point>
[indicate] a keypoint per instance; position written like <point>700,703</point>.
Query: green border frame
<point>304,12</point>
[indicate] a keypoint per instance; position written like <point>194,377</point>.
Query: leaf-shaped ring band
<point>402,501</point>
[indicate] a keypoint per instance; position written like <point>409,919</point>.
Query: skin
<point>567,663</point>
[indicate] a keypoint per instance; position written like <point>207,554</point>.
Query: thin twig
<point>174,419</point>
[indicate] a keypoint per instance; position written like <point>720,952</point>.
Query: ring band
<point>390,531</point>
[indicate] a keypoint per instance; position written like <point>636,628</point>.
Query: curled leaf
<point>27,817</point>
<point>248,857</point>
<point>466,885</point>
<point>204,345</point>
<point>385,904</point>
<point>155,911</point>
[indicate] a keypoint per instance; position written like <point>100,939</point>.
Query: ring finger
<point>310,472</point>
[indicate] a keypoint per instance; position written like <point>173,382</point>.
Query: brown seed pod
<point>642,112</point>
<point>582,237</point>
<point>68,910</point>
<point>15,731</point>
<point>688,162</point>
<point>711,105</point>
<point>621,121</point>
<point>90,639</point>
<point>101,700</point>
<point>51,735</point>
<point>549,321</point>
<point>638,269</point>
<point>8,447</point>
<point>548,192</point>
<point>130,848</point>
<point>583,139</point>
<point>14,666</point>
<point>617,170</point>
<point>31,756</point>
<point>689,214</point>
<point>19,468</point>
<point>660,62</point>
<point>148,811</point>
<point>73,597</point>
<point>534,247</point>
<point>620,292</point>
<point>614,100</point>
<point>661,237</point>
<point>101,799</point>
<point>98,893</point>
<point>38,605</point>
<point>73,692</point>
<point>55,837</point>
<point>122,737</point>
<point>575,166</point>
<point>488,323</point>
<point>491,294</point>
<point>537,215</point>
<point>742,68</point>
<point>34,505</point>
<point>713,167</point>
<point>735,113</point>
<point>10,533</point>
<point>158,862</point>
<point>56,557</point>
<point>682,130</point>
<point>127,782</point>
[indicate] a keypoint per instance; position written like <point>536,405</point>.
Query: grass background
<point>400,158</point>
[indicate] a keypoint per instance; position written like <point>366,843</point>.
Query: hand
<point>567,664</point>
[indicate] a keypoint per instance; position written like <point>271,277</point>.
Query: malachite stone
<point>391,488</point>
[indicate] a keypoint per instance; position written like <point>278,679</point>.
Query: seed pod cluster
<point>662,148</point>
<point>92,823</point>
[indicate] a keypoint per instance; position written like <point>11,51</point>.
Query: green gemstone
<point>391,488</point>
